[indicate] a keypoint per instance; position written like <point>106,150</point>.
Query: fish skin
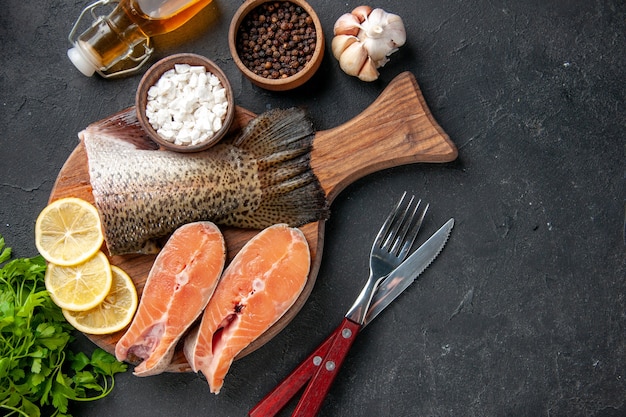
<point>259,178</point>
<point>248,300</point>
<point>177,290</point>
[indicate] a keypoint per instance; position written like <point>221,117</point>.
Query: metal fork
<point>390,248</point>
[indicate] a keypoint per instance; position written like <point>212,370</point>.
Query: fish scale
<point>260,178</point>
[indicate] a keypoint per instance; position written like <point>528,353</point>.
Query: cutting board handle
<point>396,129</point>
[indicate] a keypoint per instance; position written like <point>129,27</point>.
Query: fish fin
<point>281,140</point>
<point>124,126</point>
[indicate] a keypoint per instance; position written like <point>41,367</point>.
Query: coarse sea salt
<point>187,105</point>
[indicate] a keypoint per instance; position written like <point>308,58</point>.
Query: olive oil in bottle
<point>114,38</point>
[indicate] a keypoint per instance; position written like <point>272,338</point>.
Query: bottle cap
<point>80,61</point>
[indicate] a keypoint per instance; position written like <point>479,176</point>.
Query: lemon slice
<point>68,231</point>
<point>80,287</point>
<point>114,313</point>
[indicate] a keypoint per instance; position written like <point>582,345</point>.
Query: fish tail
<point>281,140</point>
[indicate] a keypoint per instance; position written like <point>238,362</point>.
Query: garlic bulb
<point>364,39</point>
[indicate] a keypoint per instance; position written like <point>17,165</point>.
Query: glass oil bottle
<point>114,40</point>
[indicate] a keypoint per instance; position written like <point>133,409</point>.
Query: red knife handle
<point>278,398</point>
<point>318,387</point>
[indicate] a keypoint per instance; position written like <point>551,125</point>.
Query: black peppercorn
<point>276,40</point>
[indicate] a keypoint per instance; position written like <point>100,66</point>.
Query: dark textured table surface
<point>524,314</point>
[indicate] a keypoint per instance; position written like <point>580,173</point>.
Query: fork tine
<point>404,228</point>
<point>382,238</point>
<point>412,233</point>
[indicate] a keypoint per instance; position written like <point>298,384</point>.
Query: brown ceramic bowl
<point>279,84</point>
<point>153,75</point>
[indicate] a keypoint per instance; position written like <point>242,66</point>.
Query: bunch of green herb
<point>38,372</point>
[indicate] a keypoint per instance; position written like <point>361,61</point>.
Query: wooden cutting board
<point>396,129</point>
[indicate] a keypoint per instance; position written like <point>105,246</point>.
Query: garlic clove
<point>361,12</point>
<point>376,49</point>
<point>347,24</point>
<point>396,34</point>
<point>341,42</point>
<point>381,62</point>
<point>368,72</point>
<point>352,59</point>
<point>374,25</point>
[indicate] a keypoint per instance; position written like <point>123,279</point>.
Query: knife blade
<point>400,278</point>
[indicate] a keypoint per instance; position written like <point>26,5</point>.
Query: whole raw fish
<point>259,178</point>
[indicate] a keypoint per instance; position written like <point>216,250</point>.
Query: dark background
<point>524,312</point>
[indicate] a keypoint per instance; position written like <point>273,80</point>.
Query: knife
<point>388,290</point>
<point>400,278</point>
